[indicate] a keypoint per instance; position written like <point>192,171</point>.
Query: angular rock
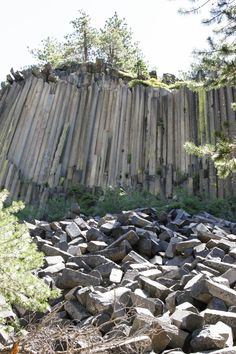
<point>148,325</point>
<point>216,253</point>
<point>154,305</point>
<point>106,268</point>
<point>186,306</point>
<point>131,236</point>
<point>51,260</point>
<point>219,266</point>
<point>217,304</point>
<point>94,235</point>
<point>222,292</point>
<point>200,291</point>
<point>151,273</point>
<point>53,269</point>
<point>204,233</point>
<point>98,302</point>
<point>187,320</point>
<point>230,275</point>
<point>139,221</point>
<point>75,250</point>
<point>154,288</point>
<point>71,278</point>
<point>75,310</point>
<point>210,337</point>
<point>213,316</point>
<point>92,261</point>
<point>53,251</point>
<point>118,253</point>
<point>182,246</point>
<point>109,226</point>
<point>81,223</point>
<point>73,230</point>
<point>178,337</point>
<point>116,275</point>
<point>136,258</point>
<point>95,246</point>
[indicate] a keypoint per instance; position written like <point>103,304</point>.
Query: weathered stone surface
<point>147,324</point>
<point>106,268</point>
<point>92,261</point>
<point>151,273</point>
<point>157,260</point>
<point>94,235</point>
<point>118,253</point>
<point>134,257</point>
<point>116,275</point>
<point>200,291</point>
<point>217,304</point>
<point>95,246</point>
<point>53,251</point>
<point>186,306</point>
<point>154,305</point>
<point>230,275</point>
<point>75,310</point>
<point>139,221</point>
<point>220,266</point>
<point>154,288</point>
<point>216,336</point>
<point>74,250</point>
<point>109,226</point>
<point>81,223</point>
<point>187,320</point>
<point>73,230</point>
<point>53,269</point>
<point>171,249</point>
<point>222,292</point>
<point>71,278</point>
<point>131,236</point>
<point>51,260</point>
<point>213,316</point>
<point>178,337</point>
<point>98,302</point>
<point>216,253</point>
<point>181,246</point>
<point>204,233</point>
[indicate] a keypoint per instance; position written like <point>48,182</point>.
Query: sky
<point>166,38</point>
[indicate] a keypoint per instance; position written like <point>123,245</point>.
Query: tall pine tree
<point>219,60</point>
<point>219,66</point>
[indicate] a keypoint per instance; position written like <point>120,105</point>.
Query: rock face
<point>166,284</point>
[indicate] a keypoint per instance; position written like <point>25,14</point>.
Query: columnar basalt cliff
<point>90,127</point>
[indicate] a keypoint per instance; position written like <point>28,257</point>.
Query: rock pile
<point>166,284</point>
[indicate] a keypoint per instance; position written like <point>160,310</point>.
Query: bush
<point>18,259</point>
<point>115,200</point>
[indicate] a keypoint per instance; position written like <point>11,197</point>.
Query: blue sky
<point>166,38</point>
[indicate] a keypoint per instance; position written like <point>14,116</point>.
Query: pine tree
<point>219,60</point>
<point>218,64</point>
<point>18,259</point>
<point>116,44</point>
<point>50,51</point>
<point>113,43</point>
<point>81,45</point>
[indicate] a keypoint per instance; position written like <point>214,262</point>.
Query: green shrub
<point>114,200</point>
<point>150,82</point>
<point>55,209</point>
<point>18,259</point>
